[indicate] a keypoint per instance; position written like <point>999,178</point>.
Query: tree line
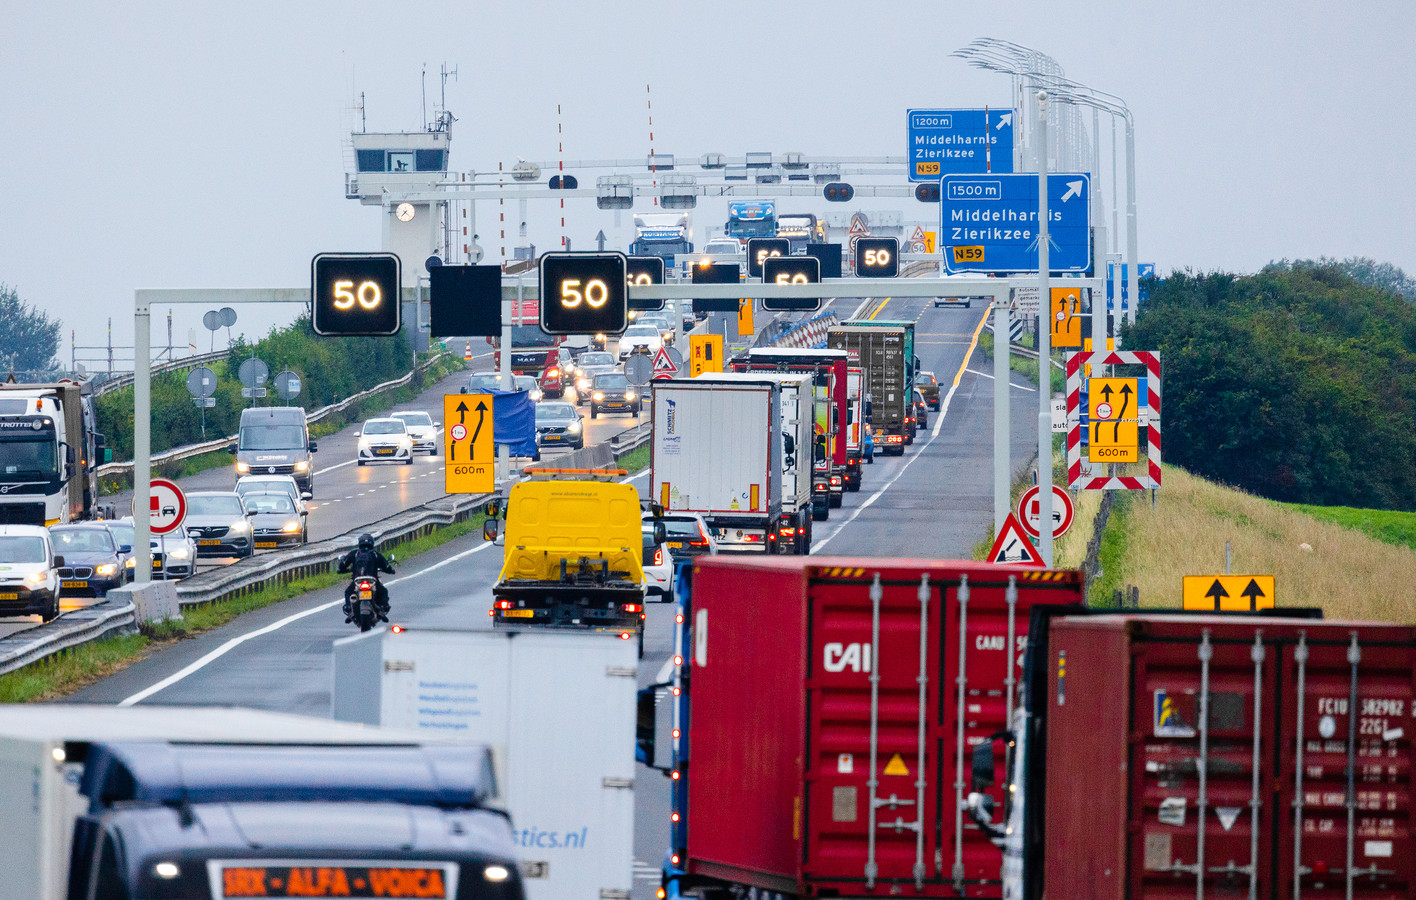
<point>1297,383</point>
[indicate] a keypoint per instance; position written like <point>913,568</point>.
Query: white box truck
<point>558,709</point>
<point>798,439</point>
<point>147,802</point>
<point>717,452</point>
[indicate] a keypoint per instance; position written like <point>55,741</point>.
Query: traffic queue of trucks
<point>884,351</point>
<point>851,749</point>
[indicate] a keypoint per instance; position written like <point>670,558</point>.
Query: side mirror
<point>125,548</point>
<point>306,495</point>
<point>661,534</point>
<point>983,764</point>
<point>789,444</point>
<point>392,558</point>
<point>314,447</point>
<point>820,448</point>
<point>59,561</point>
<point>492,509</point>
<point>231,448</point>
<point>869,410</point>
<point>489,529</point>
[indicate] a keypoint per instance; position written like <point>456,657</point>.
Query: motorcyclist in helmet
<point>365,560</point>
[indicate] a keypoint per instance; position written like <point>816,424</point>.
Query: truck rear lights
<point>752,538</point>
<point>894,439</point>
<point>624,635</point>
<point>789,532</point>
<point>504,604</point>
<point>632,607</point>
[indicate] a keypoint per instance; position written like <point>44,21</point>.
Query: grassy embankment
<point>83,665</point>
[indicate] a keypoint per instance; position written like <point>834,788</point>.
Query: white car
<point>174,554</point>
<point>635,336</point>
<point>260,484</point>
<point>658,566</point>
<point>421,428</point>
<point>723,247</point>
<point>29,572</point>
<point>385,440</point>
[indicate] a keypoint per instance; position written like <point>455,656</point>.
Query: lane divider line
<point>1021,387</point>
<point>938,424</point>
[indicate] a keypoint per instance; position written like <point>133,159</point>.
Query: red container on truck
<point>832,705</point>
<point>1215,756</point>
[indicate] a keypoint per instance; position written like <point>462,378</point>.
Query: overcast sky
<point>193,144</point>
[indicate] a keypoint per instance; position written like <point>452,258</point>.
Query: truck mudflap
<point>587,596</point>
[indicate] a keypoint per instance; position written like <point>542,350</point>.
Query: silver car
<point>218,521</point>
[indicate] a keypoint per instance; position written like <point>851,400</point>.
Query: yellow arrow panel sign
<point>1066,317</point>
<point>468,451</point>
<point>1228,593</point>
<point>745,327</point>
<point>1115,434</point>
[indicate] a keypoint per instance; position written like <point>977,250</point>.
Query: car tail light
<point>504,604</point>
<point>659,556</point>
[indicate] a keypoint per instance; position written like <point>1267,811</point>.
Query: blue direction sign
<point>1117,274</point>
<point>947,141</point>
<point>990,222</point>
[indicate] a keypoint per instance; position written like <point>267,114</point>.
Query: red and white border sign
<point>167,506</point>
<point>1079,474</point>
<point>1030,511</point>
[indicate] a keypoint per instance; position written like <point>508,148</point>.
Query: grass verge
<point>1387,526</point>
<point>634,460</point>
<point>1023,365</point>
<point>60,675</point>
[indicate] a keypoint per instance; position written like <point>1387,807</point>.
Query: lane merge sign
<point>469,456</point>
<point>956,141</point>
<point>990,222</point>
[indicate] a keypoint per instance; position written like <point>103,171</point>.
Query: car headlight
<point>130,563</point>
<point>107,569</point>
<point>179,553</point>
<point>240,525</point>
<point>582,384</point>
<point>629,395</point>
<point>302,465</point>
<point>243,468</point>
<point>290,527</point>
<point>600,337</point>
<point>363,443</point>
<point>599,395</point>
<point>36,577</point>
<point>405,442</point>
<point>573,427</point>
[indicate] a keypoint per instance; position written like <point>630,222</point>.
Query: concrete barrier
<point>155,601</point>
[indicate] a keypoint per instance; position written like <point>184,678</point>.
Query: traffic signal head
<point>583,293</point>
<point>838,192</point>
<point>927,193</point>
<point>355,294</point>
<point>563,183</point>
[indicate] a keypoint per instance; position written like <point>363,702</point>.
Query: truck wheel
<point>836,501</point>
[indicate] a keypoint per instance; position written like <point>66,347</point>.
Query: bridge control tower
<point>397,171</point>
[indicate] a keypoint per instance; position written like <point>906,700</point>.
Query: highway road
<point>935,501</point>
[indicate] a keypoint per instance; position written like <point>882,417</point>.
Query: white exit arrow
<point>1005,119</point>
<point>1074,189</point>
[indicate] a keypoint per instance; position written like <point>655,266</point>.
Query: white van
<point>29,572</point>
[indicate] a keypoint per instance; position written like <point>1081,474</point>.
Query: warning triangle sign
<point>1013,546</point>
<point>662,363</point>
<point>918,233</point>
<point>858,226</point>
<point>896,766</point>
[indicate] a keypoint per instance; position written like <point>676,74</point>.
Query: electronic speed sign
<point>645,270</point>
<point>355,294</point>
<point>877,257</point>
<point>583,293</point>
<point>716,273</point>
<point>791,270</point>
<point>761,249</point>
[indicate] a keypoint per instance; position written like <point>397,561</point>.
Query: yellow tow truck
<point>573,551</point>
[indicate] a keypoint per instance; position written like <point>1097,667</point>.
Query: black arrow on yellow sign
<point>1253,592</point>
<point>1217,591</point>
<point>1125,402</point>
<point>481,414</point>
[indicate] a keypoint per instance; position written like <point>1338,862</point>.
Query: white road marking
<point>1021,387</point>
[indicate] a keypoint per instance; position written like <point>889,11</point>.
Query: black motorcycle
<point>363,600</point>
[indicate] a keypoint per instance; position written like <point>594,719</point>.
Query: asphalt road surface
<point>935,501</point>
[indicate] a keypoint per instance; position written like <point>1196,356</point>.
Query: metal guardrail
<point>258,572</point>
<point>179,453</point>
<point>125,379</point>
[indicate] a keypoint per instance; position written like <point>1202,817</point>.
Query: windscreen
<point>215,506</point>
<point>81,540</point>
<point>611,382</point>
<point>22,457</point>
<point>555,412</point>
<point>17,549</point>
<point>682,529</point>
<point>596,359</point>
<point>415,418</point>
<point>123,534</point>
<point>272,437</point>
<point>531,336</point>
<point>270,503</point>
<point>384,426</point>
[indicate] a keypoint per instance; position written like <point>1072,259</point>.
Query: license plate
<point>675,545</point>
<point>262,545</point>
<point>384,451</point>
<point>9,596</point>
<point>519,613</point>
<point>366,595</point>
<point>75,584</point>
<point>209,542</point>
<point>616,404</point>
<point>157,564</point>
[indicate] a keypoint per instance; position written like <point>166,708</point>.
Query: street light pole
<point>1044,342</point>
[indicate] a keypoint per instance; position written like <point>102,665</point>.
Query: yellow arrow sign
<point>745,328</point>
<point>705,354</point>
<point>1115,434</point>
<point>1228,593</point>
<point>468,452</point>
<point>1066,317</point>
